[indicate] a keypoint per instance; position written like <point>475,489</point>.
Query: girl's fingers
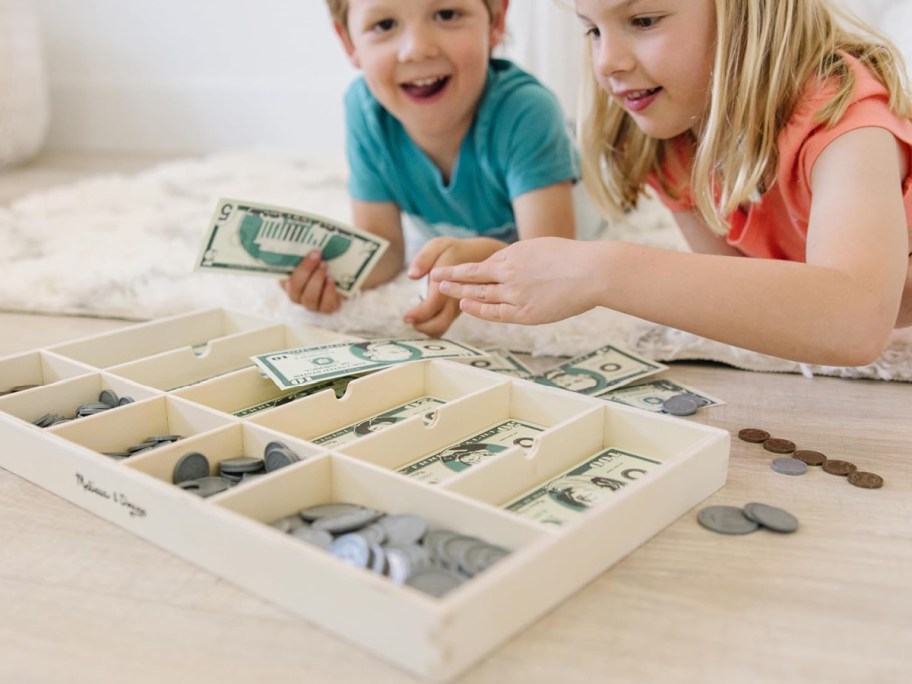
<point>500,312</point>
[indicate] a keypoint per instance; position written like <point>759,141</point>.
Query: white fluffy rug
<point>124,246</point>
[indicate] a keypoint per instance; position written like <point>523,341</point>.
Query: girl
<point>771,131</point>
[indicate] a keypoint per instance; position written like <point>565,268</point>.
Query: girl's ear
<point>347,44</point>
<point>499,23</point>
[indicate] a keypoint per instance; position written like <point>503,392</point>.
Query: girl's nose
<point>417,43</point>
<point>611,56</point>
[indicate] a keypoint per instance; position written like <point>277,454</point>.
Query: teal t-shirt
<point>517,143</point>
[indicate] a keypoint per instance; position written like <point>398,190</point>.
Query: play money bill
<point>449,462</point>
<point>576,490</point>
<point>652,395</point>
<point>599,371</point>
<point>259,239</point>
<point>378,422</point>
<point>307,365</point>
<point>338,385</point>
<point>500,361</point>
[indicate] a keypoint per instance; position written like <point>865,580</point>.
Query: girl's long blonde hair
<point>766,53</point>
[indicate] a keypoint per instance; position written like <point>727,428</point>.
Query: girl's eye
<point>591,32</point>
<point>645,22</point>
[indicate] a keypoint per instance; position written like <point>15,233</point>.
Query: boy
<point>472,150</point>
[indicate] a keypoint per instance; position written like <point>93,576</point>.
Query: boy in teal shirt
<point>471,150</point>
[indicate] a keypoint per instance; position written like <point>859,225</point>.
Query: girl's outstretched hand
<point>532,281</point>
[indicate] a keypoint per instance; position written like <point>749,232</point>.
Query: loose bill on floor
<point>599,371</point>
<point>651,395</point>
<point>260,239</point>
<point>297,367</point>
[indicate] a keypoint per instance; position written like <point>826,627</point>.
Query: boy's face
<point>426,61</point>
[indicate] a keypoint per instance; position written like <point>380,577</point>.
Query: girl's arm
<point>310,285</point>
<point>546,212</point>
<point>836,309</point>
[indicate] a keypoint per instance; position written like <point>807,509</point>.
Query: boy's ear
<point>346,40</point>
<point>499,23</point>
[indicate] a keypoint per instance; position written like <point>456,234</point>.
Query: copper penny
<point>754,435</point>
<point>834,467</point>
<point>779,446</point>
<point>860,478</point>
<point>812,458</point>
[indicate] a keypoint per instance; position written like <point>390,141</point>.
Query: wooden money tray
<point>188,374</point>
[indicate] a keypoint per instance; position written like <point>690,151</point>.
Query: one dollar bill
<point>576,490</point>
<point>260,239</point>
<point>600,371</point>
<point>651,395</point>
<point>307,365</point>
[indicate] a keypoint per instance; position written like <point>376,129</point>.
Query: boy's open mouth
<point>426,87</point>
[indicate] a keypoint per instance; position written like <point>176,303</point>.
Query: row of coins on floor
<point>192,470</point>
<point>795,461</point>
<point>107,400</point>
<point>399,546</point>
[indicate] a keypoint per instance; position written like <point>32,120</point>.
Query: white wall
<point>201,75</point>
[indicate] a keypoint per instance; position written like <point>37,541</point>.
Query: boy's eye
<point>383,25</point>
<point>447,14</point>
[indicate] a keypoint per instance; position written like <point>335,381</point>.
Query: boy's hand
<point>310,285</point>
<point>437,312</point>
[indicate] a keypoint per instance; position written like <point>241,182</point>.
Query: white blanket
<point>124,246</point>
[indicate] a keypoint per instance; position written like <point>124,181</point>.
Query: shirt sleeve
<point>674,170</point>
<point>366,180</point>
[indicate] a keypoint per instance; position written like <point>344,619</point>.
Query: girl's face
<point>654,58</point>
<point>426,61</point>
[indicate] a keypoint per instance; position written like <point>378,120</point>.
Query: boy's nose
<point>417,44</point>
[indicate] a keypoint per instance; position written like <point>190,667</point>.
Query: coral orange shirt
<point>776,226</point>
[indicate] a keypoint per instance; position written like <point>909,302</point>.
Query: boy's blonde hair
<point>766,52</point>
<point>338,9</point>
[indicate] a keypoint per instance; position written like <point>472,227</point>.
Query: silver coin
<point>117,455</point>
<point>681,405</point>
<point>277,455</point>
<point>403,528</point>
<point>373,534</point>
<point>209,486</point>
<point>240,465</point>
<point>435,539</point>
<point>288,524</point>
<point>406,560</point>
<point>348,522</point>
<point>125,400</point>
<point>329,510</point>
<point>378,564</point>
<point>191,466</point>
<point>313,537</point>
<point>454,549</point>
<point>479,558</point>
<point>789,466</point>
<point>109,397</point>
<point>353,549</point>
<point>161,439</point>
<point>772,518</point>
<point>435,581</point>
<point>726,520</point>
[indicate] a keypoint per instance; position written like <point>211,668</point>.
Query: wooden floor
<point>84,601</point>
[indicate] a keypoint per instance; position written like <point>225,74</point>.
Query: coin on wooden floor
<point>789,466</point>
<point>836,467</point>
<point>770,517</point>
<point>681,405</point>
<point>779,446</point>
<point>865,480</point>
<point>812,458</point>
<point>726,520</point>
<point>191,466</point>
<point>754,435</point>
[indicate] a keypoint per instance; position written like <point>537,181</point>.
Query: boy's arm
<point>383,219</point>
<point>546,212</point>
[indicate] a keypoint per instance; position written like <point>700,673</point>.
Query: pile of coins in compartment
<point>17,388</point>
<point>107,400</point>
<point>399,546</point>
<point>192,470</point>
<point>795,461</point>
